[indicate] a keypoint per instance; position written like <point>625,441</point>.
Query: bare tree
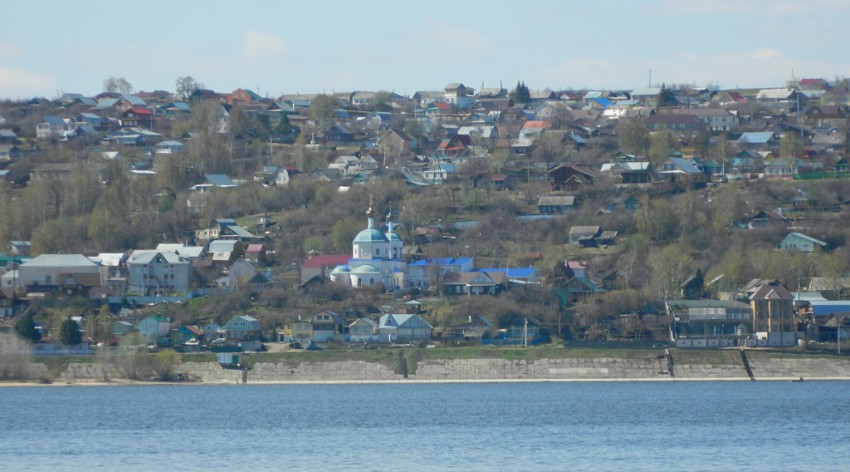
<point>117,85</point>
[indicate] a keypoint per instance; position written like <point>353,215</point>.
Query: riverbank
<point>468,365</point>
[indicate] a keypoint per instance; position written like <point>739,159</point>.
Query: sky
<point>275,47</point>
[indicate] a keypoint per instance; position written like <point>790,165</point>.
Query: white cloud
<point>18,83</point>
<point>257,45</point>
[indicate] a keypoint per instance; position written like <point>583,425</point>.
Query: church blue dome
<point>370,235</point>
<point>366,269</point>
<point>393,236</point>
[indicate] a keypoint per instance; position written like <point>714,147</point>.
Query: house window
<point>378,252</point>
<point>359,282</point>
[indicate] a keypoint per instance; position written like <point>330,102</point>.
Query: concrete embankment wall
<point>413,366</point>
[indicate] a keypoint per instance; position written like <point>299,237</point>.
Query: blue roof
<point>761,137</point>
<point>54,120</point>
<point>686,165</point>
<point>827,308</point>
<point>442,261</point>
<point>370,235</point>
<point>513,272</point>
<point>219,180</point>
<point>603,101</point>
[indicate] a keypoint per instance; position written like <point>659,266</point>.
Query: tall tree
<point>117,85</point>
<point>323,110</point>
<point>662,143</point>
<point>69,333</point>
<point>521,94</point>
<point>666,97</point>
<point>633,136</point>
<point>26,329</point>
<point>789,146</point>
<point>185,86</point>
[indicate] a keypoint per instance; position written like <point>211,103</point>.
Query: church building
<point>376,258</point>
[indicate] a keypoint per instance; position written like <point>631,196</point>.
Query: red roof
<point>537,124</point>
<point>329,260</point>
<point>254,248</point>
<point>141,111</point>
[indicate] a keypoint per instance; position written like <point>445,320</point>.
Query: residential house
<point>273,176</point>
<point>780,169</point>
<point>224,252</point>
<point>20,248</point>
<point>801,242</point>
<point>137,118</point>
<point>53,127</point>
<point>404,328</point>
<point>395,142</point>
<point>213,181</point>
<point>322,265</point>
<point>427,272</point>
<point>631,172</point>
<point>757,140</point>
<point>762,219</point>
<point>473,330</point>
<point>572,283</point>
<point>522,275</point>
<point>717,119</point>
<point>569,177</point>
<point>53,272</point>
<point>709,323</point>
<point>682,171</point>
<point>157,273</point>
<point>680,125</point>
<point>363,330</point>
<point>327,326</point>
<point>772,306</point>
<point>474,283</point>
<point>826,117</point>
<point>255,253</point>
<point>591,236</point>
<point>243,328</point>
<point>153,328</point>
<point>554,204</point>
<point>238,275</point>
<point>726,97</point>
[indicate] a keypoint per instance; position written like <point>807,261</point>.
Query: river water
<point>463,427</point>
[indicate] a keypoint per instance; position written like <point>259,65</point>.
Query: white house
<point>157,273</point>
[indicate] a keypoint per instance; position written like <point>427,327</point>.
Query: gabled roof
<point>759,137</point>
<point>772,291</point>
<point>60,260</point>
<point>403,321</point>
<point>326,260</point>
<point>219,180</point>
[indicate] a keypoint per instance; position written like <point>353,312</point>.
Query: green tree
<point>69,333</point>
<point>633,136</point>
<point>666,97</point>
<point>25,327</point>
<point>521,94</point>
<point>164,363</point>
